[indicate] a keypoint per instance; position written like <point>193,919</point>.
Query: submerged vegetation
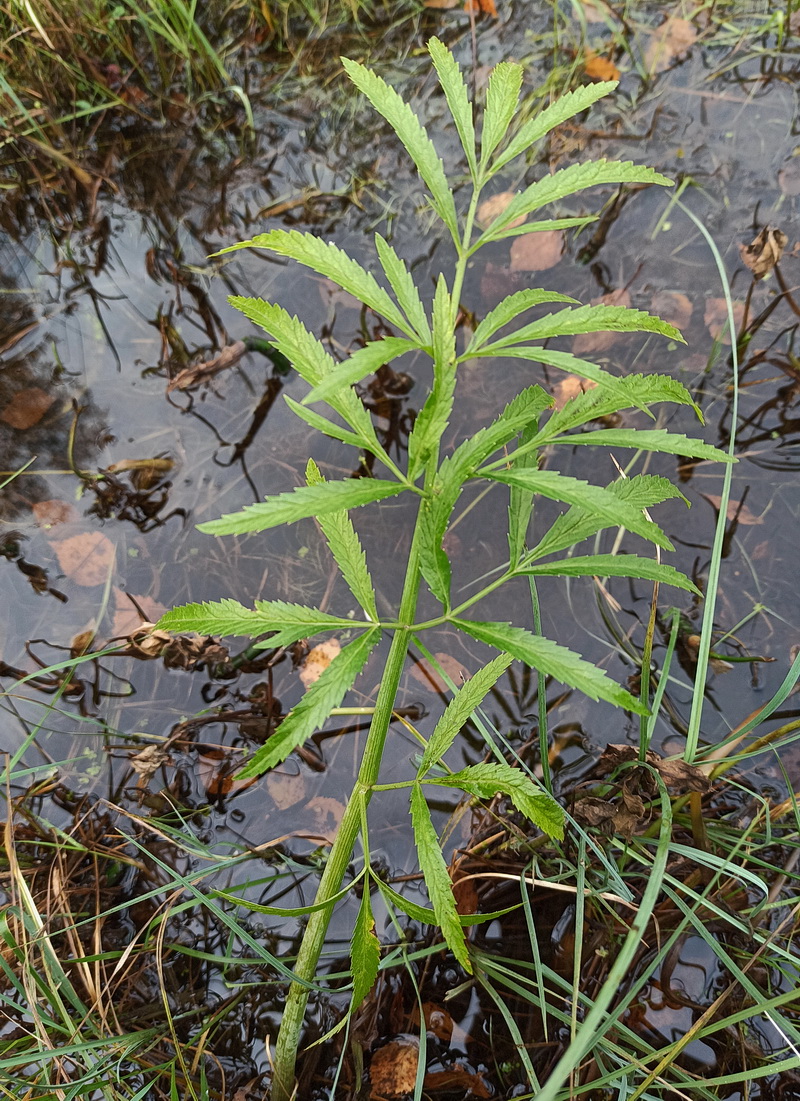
<point>621,926</point>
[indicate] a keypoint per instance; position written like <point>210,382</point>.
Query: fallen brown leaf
<point>27,408</point>
<point>601,341</point>
<point>764,251</point>
<point>87,559</point>
<point>214,770</point>
<point>393,1069</point>
<point>317,661</point>
<point>493,207</point>
<point>286,789</point>
<point>481,7</point>
<point>199,372</point>
<point>537,251</point>
<point>126,618</point>
<point>716,318</point>
<point>437,1020</point>
<point>52,514</point>
<point>457,1078</point>
<point>598,67</point>
<point>735,510</point>
<point>570,387</point>
<point>676,774</point>
<point>668,43</point>
<point>327,814</point>
<point>674,307</point>
<point>148,761</point>
<point>789,177</point>
<point>432,680</point>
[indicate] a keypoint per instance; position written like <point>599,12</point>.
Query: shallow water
<point>97,315</point>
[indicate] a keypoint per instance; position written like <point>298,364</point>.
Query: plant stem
<point>342,849</point>
<point>288,1042</point>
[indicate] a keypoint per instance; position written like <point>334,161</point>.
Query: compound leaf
<point>229,617</point>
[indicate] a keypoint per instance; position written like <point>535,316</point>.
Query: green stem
<point>305,969</point>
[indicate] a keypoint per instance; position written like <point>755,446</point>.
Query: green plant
<point>505,452</point>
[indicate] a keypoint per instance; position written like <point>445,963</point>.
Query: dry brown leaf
<point>458,1079</point>
<point>492,208</point>
<point>393,1070</point>
<point>126,619</point>
<point>716,318</point>
<point>598,67</point>
<point>148,761</point>
<point>673,307</point>
<point>51,514</point>
<point>199,372</point>
<point>432,680</point>
<point>584,343</point>
<point>317,661</point>
<point>789,177</point>
<point>668,43</point>
<point>327,815</point>
<point>82,643</point>
<point>286,788</point>
<point>596,12</point>
<point>437,1020</point>
<point>764,251</point>
<point>214,770</point>
<point>676,774</point>
<point>569,387</point>
<point>87,559</point>
<point>537,251</point>
<point>27,408</point>
<point>481,7</point>
<point>735,511</point>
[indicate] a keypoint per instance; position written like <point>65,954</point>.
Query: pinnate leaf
<point>553,660</point>
<point>575,525</point>
<point>437,879</point>
<point>299,504</point>
<point>510,308</point>
<point>574,491</point>
<point>435,413</point>
<point>315,707</point>
<point>649,439</point>
<point>568,181</point>
<point>487,780</point>
<point>587,319</point>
